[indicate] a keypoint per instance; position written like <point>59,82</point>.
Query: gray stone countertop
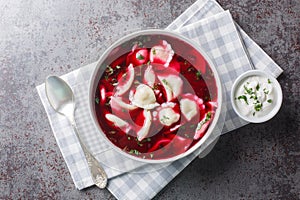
<point>38,38</point>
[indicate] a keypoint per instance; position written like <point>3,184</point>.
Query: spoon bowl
<point>60,96</point>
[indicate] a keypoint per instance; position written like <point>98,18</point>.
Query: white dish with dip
<point>256,96</point>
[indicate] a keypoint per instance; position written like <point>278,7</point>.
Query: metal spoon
<point>61,98</point>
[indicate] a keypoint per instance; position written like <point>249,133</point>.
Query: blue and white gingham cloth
<point>228,46</point>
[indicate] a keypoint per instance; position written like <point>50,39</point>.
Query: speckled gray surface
<point>38,38</point>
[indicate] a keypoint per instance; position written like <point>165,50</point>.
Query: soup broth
<point>154,102</point>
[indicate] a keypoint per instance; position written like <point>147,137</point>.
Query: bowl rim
<point>279,95</point>
<point>170,34</point>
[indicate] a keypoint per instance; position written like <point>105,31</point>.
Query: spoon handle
<point>97,172</point>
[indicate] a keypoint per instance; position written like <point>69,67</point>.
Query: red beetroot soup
<point>157,99</point>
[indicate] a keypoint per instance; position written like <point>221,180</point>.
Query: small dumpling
<point>162,54</point>
<point>189,108</point>
<point>144,97</point>
<point>167,116</point>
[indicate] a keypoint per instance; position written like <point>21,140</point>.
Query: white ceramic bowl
<point>105,58</point>
<point>277,93</point>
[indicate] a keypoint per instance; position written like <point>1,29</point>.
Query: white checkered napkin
<point>205,8</point>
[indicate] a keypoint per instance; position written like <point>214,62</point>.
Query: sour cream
<point>255,97</point>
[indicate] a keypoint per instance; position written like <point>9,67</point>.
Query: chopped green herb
<point>257,87</point>
<point>153,51</point>
<point>148,63</point>
<point>97,100</point>
<point>137,152</point>
<point>258,106</point>
<point>244,98</point>
<point>165,81</point>
<point>198,75</point>
<point>266,91</point>
<point>269,81</point>
<point>208,116</point>
<point>139,56</point>
<point>269,101</point>
<point>164,118</point>
<point>253,114</point>
<point>248,90</point>
<point>106,77</point>
<point>201,123</point>
<point>134,151</point>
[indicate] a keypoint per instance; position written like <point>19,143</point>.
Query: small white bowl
<point>277,96</point>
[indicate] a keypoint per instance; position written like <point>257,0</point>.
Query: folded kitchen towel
<point>205,23</point>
